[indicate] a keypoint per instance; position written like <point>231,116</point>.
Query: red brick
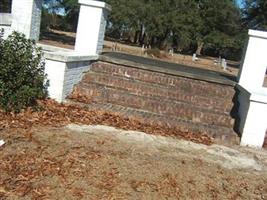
<point>197,102</point>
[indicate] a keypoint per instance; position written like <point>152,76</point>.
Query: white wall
<point>55,71</point>
<point>64,70</point>
<point>63,76</point>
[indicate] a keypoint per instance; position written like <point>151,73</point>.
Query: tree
<point>66,10</point>
<point>255,14</point>
<point>219,23</point>
<point>71,11</point>
<point>127,16</point>
<point>154,21</point>
<point>5,6</point>
<point>170,22</point>
<point>200,26</point>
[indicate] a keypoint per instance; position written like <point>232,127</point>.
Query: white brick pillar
<point>91,27</point>
<point>252,97</point>
<point>26,17</point>
<point>252,73</point>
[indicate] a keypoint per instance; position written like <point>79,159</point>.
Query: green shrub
<point>22,76</point>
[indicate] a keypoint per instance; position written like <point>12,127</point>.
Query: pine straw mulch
<point>51,113</point>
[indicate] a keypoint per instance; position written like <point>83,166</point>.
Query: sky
<point>239,2</point>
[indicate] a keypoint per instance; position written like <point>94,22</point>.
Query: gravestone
<point>171,52</point>
<point>224,64</point>
<point>194,57</point>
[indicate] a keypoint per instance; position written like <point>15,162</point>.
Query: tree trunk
<point>142,34</point>
<point>131,37</point>
<point>153,41</point>
<point>136,37</point>
<point>200,45</point>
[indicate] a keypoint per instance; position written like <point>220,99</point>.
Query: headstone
<point>194,58</point>
<point>2,142</point>
<point>171,52</point>
<point>224,64</point>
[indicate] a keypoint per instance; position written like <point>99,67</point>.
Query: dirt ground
<point>100,162</point>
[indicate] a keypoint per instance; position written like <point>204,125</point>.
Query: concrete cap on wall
<point>98,4</point>
<point>69,56</point>
<point>259,34</point>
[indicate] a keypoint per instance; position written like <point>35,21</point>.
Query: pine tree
<point>255,14</point>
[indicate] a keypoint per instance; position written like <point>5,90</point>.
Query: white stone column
<point>253,117</point>
<point>253,96</point>
<point>26,17</point>
<point>255,125</point>
<point>91,27</point>
<point>252,73</point>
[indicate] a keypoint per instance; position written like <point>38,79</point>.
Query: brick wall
<point>198,105</point>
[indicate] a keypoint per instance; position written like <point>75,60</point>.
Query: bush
<point>22,77</point>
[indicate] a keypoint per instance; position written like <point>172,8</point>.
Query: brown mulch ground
<point>44,160</point>
<point>58,163</point>
<point>54,114</point>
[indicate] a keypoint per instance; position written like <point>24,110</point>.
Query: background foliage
<point>5,6</point>
<point>208,27</point>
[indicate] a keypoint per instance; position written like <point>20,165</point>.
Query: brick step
<point>220,134</point>
<point>105,94</point>
<point>167,92</point>
<point>188,85</point>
